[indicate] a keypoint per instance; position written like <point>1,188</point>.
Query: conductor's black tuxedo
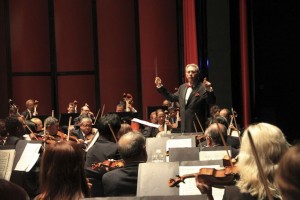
<point>198,103</point>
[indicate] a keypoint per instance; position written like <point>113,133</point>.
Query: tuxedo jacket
<point>122,181</point>
<point>198,103</point>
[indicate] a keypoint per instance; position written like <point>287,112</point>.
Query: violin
<point>108,165</point>
<point>215,177</point>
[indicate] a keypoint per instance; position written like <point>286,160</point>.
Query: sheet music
<point>145,122</point>
<point>189,187</point>
<point>6,163</point>
<point>173,143</point>
<point>92,142</point>
<point>29,157</point>
<point>213,155</point>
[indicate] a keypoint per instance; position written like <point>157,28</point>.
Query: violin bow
<point>235,124</point>
<point>199,123</point>
<point>259,167</point>
<point>195,127</point>
<point>69,128</point>
<point>112,132</point>
<point>102,110</point>
<point>224,143</point>
<point>96,116</point>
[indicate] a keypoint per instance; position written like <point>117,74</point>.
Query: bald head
<point>132,147</point>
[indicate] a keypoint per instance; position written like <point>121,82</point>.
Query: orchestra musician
<point>31,109</point>
<point>270,144</point>
<point>85,110</point>
<point>71,108</point>
<point>194,97</point>
<point>52,133</point>
<point>104,148</point>
<point>86,132</point>
<point>15,129</point>
<point>123,181</point>
<point>287,175</point>
<point>62,172</point>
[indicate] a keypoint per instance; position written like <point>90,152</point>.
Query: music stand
<point>64,118</point>
<point>126,116</point>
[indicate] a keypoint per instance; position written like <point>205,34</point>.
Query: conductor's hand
<point>157,82</point>
<point>207,84</point>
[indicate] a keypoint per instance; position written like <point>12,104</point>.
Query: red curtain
<point>189,32</point>
<point>244,63</point>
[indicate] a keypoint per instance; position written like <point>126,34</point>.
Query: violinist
<point>214,139</point>
<point>230,140</point>
<point>123,181</point>
<point>104,148</point>
<point>288,174</point>
<point>52,133</point>
<point>31,110</point>
<point>15,129</point>
<point>232,128</point>
<point>86,132</point>
<point>38,125</point>
<point>271,144</point>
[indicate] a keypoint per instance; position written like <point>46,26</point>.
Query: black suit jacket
<point>199,102</point>
<point>78,133</point>
<point>122,181</point>
<point>102,150</point>
<point>233,193</point>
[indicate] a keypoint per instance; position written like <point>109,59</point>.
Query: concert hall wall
<point>90,51</point>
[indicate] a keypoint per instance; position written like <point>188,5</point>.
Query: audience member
<point>62,172</point>
<point>123,181</point>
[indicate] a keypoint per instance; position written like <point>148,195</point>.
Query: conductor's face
<point>191,73</point>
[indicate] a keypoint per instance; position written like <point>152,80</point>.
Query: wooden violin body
<point>108,165</point>
<point>214,177</point>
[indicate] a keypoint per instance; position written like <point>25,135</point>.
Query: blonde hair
<point>270,144</point>
<point>192,65</point>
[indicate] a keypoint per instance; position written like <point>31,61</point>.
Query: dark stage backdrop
<point>93,51</point>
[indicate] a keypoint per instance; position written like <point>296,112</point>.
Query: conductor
<point>194,97</point>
